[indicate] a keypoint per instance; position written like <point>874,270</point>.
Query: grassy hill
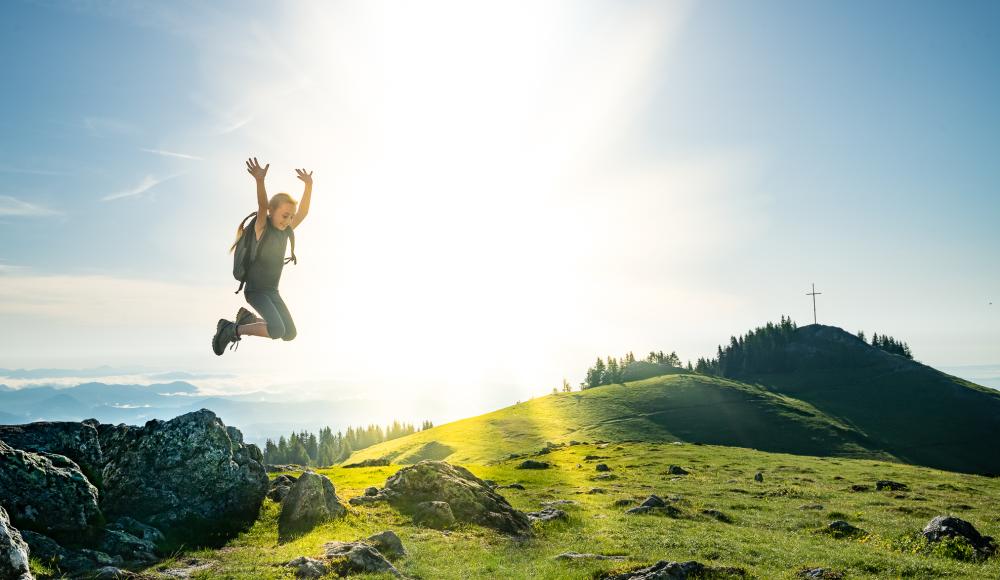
<point>912,411</point>
<point>771,529</point>
<point>676,407</point>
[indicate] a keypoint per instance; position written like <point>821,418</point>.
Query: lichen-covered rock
<point>468,497</point>
<point>186,476</point>
<point>78,441</point>
<point>344,558</point>
<point>306,567</point>
<point>137,529</point>
<point>951,527</point>
<point>13,551</point>
<point>312,500</point>
<point>433,514</point>
<point>47,493</point>
<point>548,515</point>
<point>280,486</point>
<point>388,544</point>
<point>129,547</point>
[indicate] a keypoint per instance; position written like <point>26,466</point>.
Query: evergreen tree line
<point>759,351</point>
<point>613,370</point>
<point>888,344</point>
<point>305,448</point>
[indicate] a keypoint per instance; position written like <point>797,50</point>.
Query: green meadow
<point>769,534</point>
<point>769,529</point>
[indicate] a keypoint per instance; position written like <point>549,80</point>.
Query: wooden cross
<point>813,294</point>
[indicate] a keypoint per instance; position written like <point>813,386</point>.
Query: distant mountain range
<point>258,414</point>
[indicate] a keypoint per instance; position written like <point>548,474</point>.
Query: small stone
<point>759,477</point>
<point>890,485</point>
<point>307,567</point>
<point>602,467</point>
<point>532,464</point>
<point>842,529</point>
<point>594,490</point>
<point>388,544</point>
<point>653,501</point>
<point>811,506</point>
<point>574,556</point>
<point>371,491</point>
<point>859,487</point>
<point>676,470</point>
<point>547,515</point>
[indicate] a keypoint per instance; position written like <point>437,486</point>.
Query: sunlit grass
<point>770,536</point>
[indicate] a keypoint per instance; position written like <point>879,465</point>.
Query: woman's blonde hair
<point>272,206</point>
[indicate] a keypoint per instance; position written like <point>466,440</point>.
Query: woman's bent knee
<point>275,330</point>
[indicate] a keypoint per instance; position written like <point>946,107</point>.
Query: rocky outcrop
<point>943,527</point>
<point>13,551</point>
<point>184,476</point>
<point>468,497</point>
<point>312,500</point>
<point>78,441</point>
<point>48,493</point>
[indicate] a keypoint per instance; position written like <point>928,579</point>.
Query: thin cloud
<point>16,207</point>
<point>147,183</point>
<point>104,126</point>
<point>28,171</point>
<point>172,154</point>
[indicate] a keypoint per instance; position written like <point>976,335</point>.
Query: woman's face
<point>281,218</point>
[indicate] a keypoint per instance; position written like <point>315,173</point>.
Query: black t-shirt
<point>265,270</point>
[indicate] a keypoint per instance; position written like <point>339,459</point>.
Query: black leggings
<point>272,309</point>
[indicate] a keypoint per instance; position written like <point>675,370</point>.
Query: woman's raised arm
<point>258,173</point>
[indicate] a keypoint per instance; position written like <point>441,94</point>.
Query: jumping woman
<point>272,226</point>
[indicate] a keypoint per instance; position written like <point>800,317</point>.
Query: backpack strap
<point>293,259</point>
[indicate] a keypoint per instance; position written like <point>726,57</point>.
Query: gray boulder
<point>676,470</point>
<point>48,493</point>
<point>433,514</point>
<point>129,547</point>
<point>345,558</point>
<point>137,529</point>
<point>951,527</point>
<point>532,464</point>
<point>311,501</point>
<point>280,487</point>
<point>186,476</point>
<point>78,441</point>
<point>388,544</point>
<point>468,497</point>
<point>13,551</point>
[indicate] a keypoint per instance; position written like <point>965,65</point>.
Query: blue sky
<point>513,188</point>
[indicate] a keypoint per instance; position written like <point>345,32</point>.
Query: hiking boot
<point>225,333</point>
<point>244,316</point>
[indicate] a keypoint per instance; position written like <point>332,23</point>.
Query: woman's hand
<point>306,177</point>
<point>254,168</point>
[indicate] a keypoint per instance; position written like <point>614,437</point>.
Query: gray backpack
<point>246,250</point>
